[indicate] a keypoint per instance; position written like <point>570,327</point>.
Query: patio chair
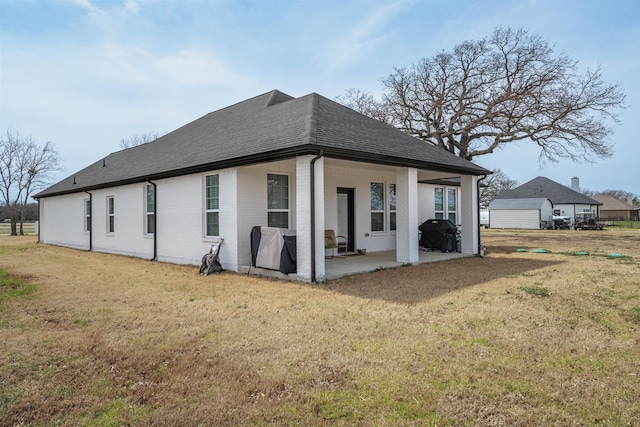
<point>333,242</point>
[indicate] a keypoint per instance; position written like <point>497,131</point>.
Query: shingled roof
<point>610,203</point>
<point>544,187</point>
<point>271,126</point>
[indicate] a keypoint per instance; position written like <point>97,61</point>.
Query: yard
<point>520,337</point>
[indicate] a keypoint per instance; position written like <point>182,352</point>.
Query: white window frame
<point>213,208</point>
<point>287,210</point>
<point>111,215</point>
<point>393,205</point>
<point>455,209</point>
<point>149,213</point>
<point>87,215</point>
<point>446,212</point>
<point>439,213</point>
<point>375,210</point>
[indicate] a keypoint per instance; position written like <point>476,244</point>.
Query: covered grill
<point>438,234</point>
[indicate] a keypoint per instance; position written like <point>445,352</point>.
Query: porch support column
<point>469,214</point>
<point>303,218</point>
<point>407,215</point>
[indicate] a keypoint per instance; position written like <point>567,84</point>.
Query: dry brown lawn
<point>515,338</point>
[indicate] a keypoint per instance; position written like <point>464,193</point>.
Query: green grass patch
<point>536,290</point>
<point>633,315</point>
<point>12,287</point>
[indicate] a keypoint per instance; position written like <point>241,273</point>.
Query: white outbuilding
<point>531,213</point>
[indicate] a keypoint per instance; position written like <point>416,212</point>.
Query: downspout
<point>155,221</point>
<point>90,220</point>
<point>478,203</point>
<point>313,215</point>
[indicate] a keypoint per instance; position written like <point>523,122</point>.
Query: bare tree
<point>623,196</point>
<point>501,89</point>
<point>25,167</point>
<point>136,140</point>
<point>366,104</point>
<point>493,184</point>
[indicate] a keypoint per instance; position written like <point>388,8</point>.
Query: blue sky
<point>84,74</point>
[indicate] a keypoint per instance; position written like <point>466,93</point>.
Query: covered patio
<point>341,266</point>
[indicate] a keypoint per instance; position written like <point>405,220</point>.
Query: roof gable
<point>267,127</point>
<point>546,188</point>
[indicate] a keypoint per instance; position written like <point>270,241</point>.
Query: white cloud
<point>357,41</point>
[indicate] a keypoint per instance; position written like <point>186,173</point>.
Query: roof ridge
<point>278,97</point>
<point>311,119</point>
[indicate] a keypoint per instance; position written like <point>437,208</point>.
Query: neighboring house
<point>566,201</point>
<point>532,213</point>
<point>304,164</point>
<point>614,209</point>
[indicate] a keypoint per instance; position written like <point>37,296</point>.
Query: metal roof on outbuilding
<point>515,204</point>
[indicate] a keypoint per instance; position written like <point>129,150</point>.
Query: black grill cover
<point>438,234</point>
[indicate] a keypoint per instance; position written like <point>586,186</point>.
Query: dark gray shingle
<point>270,126</point>
<point>544,187</point>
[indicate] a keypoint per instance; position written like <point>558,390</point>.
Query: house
<point>529,213</point>
<point>302,164</point>
<point>613,209</point>
<point>567,202</point>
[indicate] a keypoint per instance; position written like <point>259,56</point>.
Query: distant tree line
<point>31,212</point>
<point>25,168</point>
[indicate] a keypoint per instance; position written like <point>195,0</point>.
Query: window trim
<point>206,210</point>
<point>382,211</point>
<point>455,210</point>
<point>393,209</point>
<point>87,215</point>
<point>111,215</point>
<point>147,212</point>
<point>445,212</point>
<point>288,208</point>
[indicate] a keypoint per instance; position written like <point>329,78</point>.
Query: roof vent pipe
<point>104,163</point>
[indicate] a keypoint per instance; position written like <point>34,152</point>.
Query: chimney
<point>630,200</point>
<point>575,184</point>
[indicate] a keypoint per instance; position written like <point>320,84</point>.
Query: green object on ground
<point>540,251</point>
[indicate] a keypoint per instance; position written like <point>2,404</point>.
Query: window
<point>439,203</point>
<point>87,215</point>
<point>277,200</point>
<point>446,204</point>
<point>452,205</point>
<point>392,207</point>
<point>377,206</point>
<point>212,205</point>
<point>150,208</point>
<point>111,217</point>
